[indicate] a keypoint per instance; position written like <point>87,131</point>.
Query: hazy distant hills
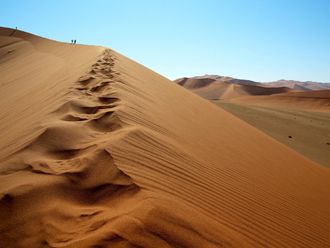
<point>221,87</point>
<point>297,85</point>
<point>292,84</point>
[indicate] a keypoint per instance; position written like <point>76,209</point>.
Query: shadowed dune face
<point>125,158</point>
<point>192,83</point>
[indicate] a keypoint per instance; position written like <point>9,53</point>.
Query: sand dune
<point>280,115</point>
<point>188,82</point>
<point>220,88</point>
<point>99,151</point>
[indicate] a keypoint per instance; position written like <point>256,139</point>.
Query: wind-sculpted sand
<point>99,151</point>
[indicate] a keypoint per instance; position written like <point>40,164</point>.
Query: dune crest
<point>125,158</point>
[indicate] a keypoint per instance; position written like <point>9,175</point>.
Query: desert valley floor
<point>307,132</point>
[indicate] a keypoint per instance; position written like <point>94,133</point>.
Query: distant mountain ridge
<point>292,84</point>
<point>298,85</point>
<point>215,87</point>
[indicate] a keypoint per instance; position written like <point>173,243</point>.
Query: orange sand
<point>99,151</point>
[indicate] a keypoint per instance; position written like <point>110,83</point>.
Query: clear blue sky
<point>260,40</point>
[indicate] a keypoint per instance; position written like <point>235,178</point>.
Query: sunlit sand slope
<point>102,152</point>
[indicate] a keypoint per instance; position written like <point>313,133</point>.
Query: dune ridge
<point>72,180</point>
<point>125,158</point>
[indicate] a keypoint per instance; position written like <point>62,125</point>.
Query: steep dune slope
<point>111,154</point>
<point>36,75</point>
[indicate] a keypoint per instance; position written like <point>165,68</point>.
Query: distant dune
<point>278,111</point>
<point>291,84</point>
<point>220,88</point>
<point>213,87</point>
<point>99,151</point>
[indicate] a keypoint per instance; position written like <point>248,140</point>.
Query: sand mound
<point>99,151</point>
